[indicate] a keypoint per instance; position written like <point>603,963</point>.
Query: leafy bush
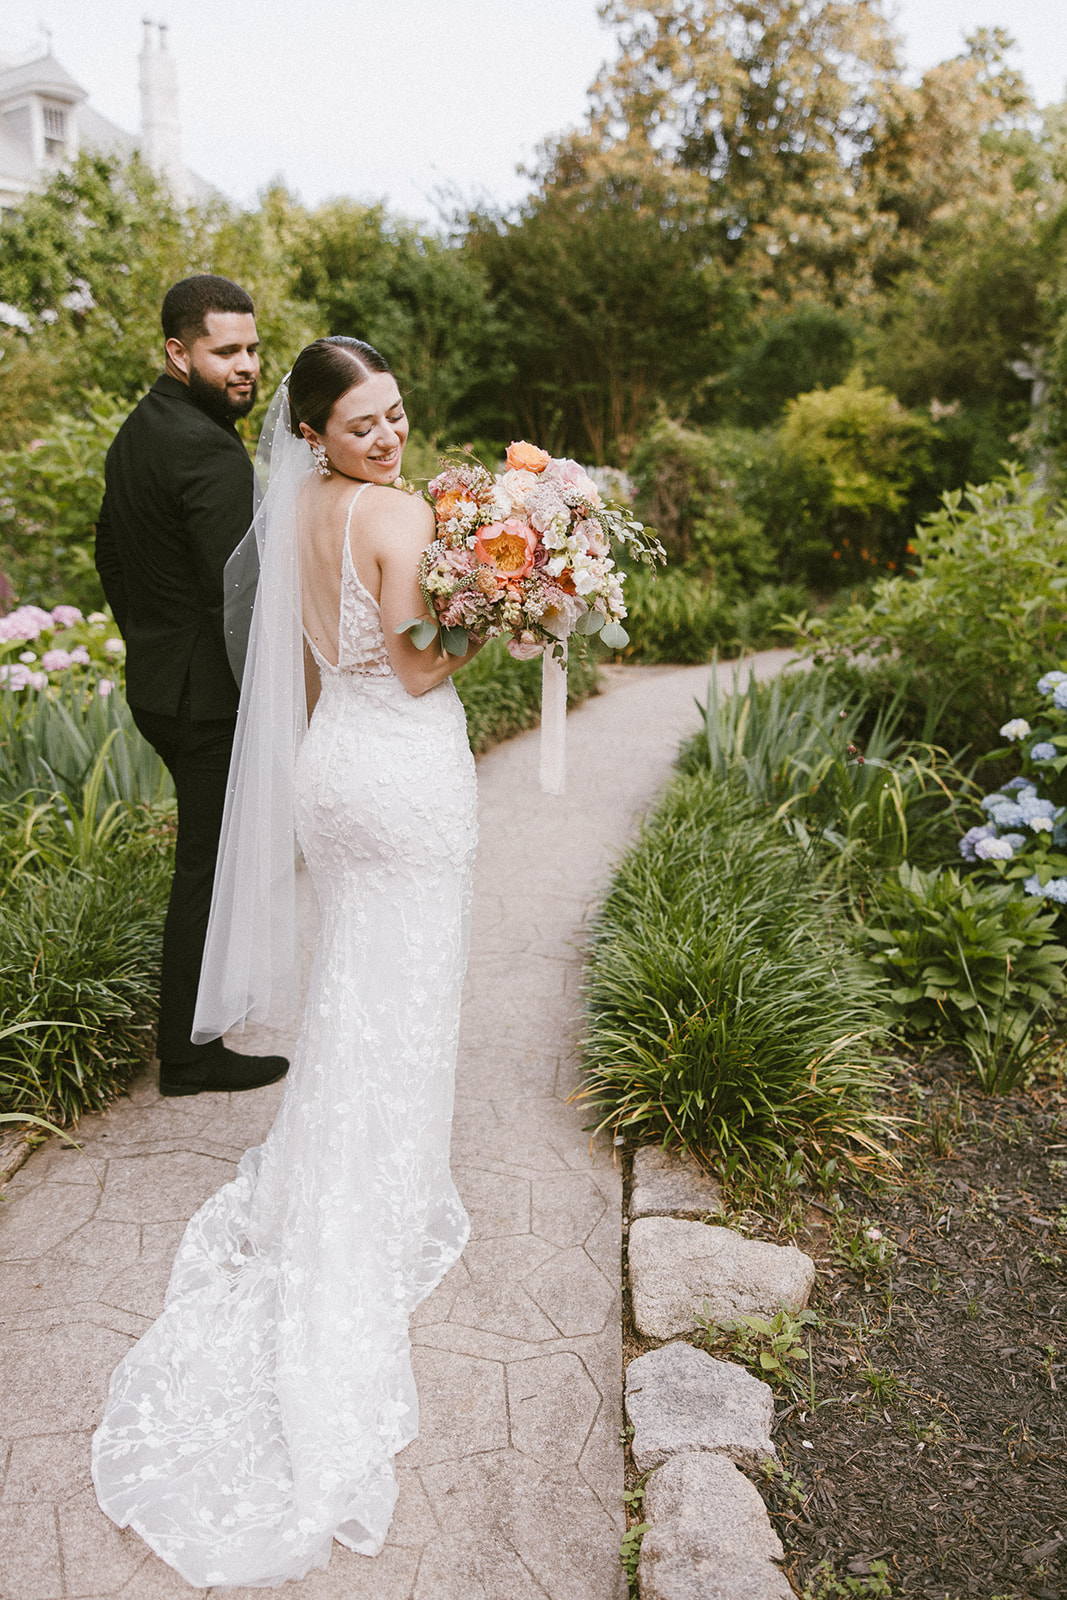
<point>675,616</point>
<point>794,744</point>
<point>50,494</point>
<point>722,1016</point>
<point>82,904</point>
<point>51,740</point>
<point>971,962</point>
<point>502,696</point>
<point>983,614</point>
<point>812,348</point>
<point>842,498</point>
<point>690,486</point>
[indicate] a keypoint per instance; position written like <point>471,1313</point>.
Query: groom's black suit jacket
<point>178,500</point>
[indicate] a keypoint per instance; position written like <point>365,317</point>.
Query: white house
<point>46,118</point>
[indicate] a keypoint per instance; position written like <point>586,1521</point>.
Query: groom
<point>178,499</point>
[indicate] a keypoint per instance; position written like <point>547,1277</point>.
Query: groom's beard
<point>219,404</point>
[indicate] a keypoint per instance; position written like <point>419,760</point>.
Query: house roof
<point>43,76</point>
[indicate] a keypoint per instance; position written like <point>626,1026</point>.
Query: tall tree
<point>762,111</point>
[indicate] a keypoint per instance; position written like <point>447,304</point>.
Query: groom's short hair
<point>187,305</point>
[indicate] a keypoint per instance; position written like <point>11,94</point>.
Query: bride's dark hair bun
<point>323,372</point>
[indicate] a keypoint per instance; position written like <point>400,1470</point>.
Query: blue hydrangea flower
<point>1018,783</point>
<point>1054,889</point>
<point>1059,697</point>
<point>972,837</point>
<point>1043,751</point>
<point>1050,680</point>
<point>993,850</point>
<point>1016,840</point>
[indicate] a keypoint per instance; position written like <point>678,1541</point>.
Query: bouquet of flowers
<point>525,553</point>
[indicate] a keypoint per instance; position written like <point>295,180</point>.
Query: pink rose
<point>572,475</point>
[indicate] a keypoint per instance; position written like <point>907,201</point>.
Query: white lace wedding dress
<point>257,1419</point>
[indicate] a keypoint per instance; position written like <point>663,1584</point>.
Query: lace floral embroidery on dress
<point>257,1419</point>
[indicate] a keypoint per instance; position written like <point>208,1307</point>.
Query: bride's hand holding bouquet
<point>525,553</point>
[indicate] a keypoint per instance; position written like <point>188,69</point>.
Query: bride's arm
<point>403,527</point>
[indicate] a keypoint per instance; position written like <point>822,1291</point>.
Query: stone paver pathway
<point>513,1489</point>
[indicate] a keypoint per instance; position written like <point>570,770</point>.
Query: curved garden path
<point>513,1491</point>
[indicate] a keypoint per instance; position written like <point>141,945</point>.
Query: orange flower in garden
<point>507,546</point>
<point>525,457</point>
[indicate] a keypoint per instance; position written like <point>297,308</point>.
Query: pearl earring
<point>322,465</point>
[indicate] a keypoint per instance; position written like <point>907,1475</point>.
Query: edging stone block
<point>681,1271</point>
<point>711,1537</point>
<point>670,1183</point>
<point>681,1399</point>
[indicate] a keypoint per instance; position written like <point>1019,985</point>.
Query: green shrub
<point>691,487</point>
<point>81,928</point>
<point>811,348</point>
<point>675,616</point>
<point>502,696</point>
<point>794,742</point>
<point>722,1015</point>
<point>50,741</point>
<point>50,494</point>
<point>983,615</point>
<point>841,500</point>
<point>971,962</point>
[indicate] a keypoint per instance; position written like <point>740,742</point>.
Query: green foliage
<point>690,486</point>
<point>50,494</point>
<point>862,1248</point>
<point>842,501</point>
<point>983,614</point>
<point>824,1584</point>
<point>676,616</point>
<point>971,962</point>
<point>604,313</point>
<point>54,742</point>
<point>793,742</point>
<point>771,1347</point>
<point>502,696</point>
<point>811,348</point>
<point>81,925</point>
<point>721,1014</point>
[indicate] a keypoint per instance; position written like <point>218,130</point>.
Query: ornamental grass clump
<point>722,1015</point>
<point>83,897</point>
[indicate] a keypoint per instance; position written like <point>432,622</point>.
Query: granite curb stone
<point>669,1183</point>
<point>711,1537</point>
<point>681,1272</point>
<point>680,1399</point>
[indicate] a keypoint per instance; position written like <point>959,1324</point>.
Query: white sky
<point>398,99</point>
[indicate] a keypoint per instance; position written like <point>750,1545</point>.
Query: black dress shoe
<point>224,1073</point>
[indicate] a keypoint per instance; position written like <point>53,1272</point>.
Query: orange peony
<point>525,457</point>
<point>507,546</point>
<point>454,501</point>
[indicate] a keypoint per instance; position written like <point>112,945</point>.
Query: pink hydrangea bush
<point>42,651</point>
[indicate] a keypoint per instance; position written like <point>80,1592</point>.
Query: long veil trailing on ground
<point>251,965</point>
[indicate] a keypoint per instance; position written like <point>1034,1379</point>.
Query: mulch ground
<point>938,1439</point>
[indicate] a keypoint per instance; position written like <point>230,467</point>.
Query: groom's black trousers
<point>197,755</point>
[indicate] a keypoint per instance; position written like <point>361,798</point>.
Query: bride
<point>257,1420</point>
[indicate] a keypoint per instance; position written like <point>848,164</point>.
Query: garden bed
<point>937,1443</point>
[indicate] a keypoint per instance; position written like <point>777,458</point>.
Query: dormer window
<point>55,130</point>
